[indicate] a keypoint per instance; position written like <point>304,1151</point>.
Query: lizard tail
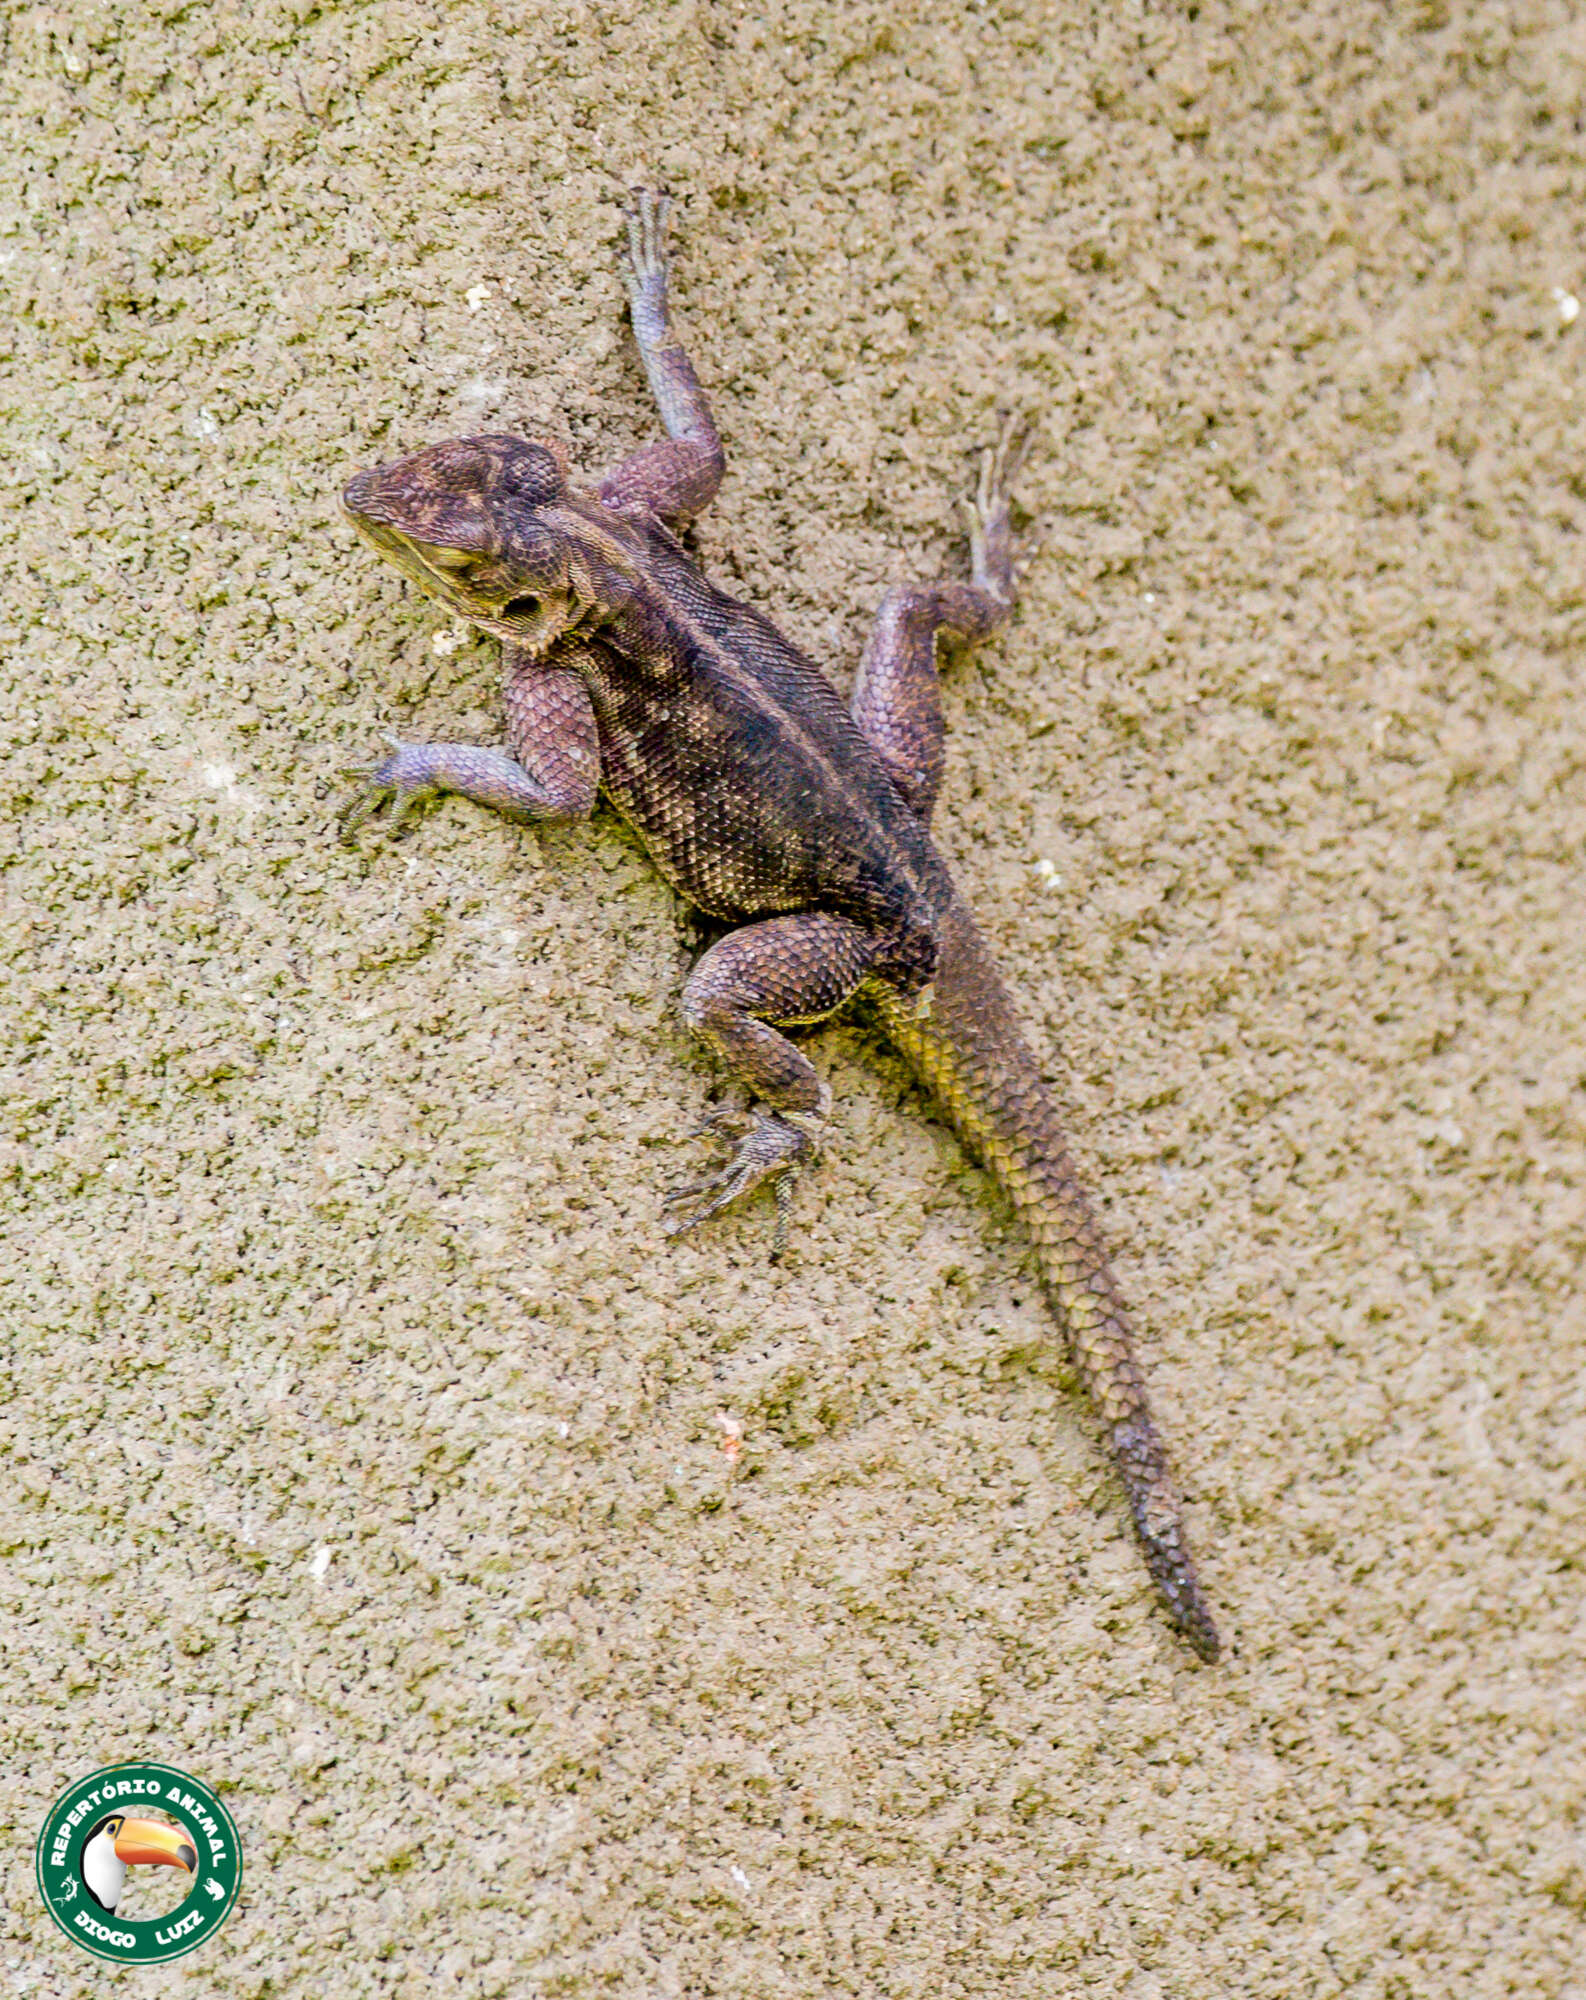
<point>962,1037</point>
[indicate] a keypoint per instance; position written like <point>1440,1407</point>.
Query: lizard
<point>798,821</point>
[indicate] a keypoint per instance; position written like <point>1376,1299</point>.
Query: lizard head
<point>473,523</point>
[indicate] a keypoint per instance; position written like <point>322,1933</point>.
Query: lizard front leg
<point>898,696</point>
<point>678,477</point>
<point>787,970</point>
<point>552,773</point>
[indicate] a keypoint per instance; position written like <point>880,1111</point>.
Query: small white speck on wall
<point>739,1877</point>
<point>1048,872</point>
<point>320,1565</point>
<point>1568,306</point>
<point>476,296</point>
<point>222,778</point>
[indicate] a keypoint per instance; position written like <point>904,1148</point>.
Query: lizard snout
<point>359,491</point>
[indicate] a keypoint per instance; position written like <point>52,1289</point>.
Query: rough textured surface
<point>330,1201</point>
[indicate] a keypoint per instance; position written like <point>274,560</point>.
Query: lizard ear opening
<point>536,603</point>
<point>534,620</point>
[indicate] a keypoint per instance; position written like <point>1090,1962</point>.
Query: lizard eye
<point>453,561</point>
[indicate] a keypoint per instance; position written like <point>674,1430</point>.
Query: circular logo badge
<point>100,1847</point>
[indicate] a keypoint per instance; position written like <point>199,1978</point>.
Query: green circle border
<point>173,1784</point>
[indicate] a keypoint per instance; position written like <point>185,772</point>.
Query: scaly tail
<point>961,1035</point>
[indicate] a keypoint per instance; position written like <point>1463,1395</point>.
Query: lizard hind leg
<point>898,696</point>
<point>785,971</point>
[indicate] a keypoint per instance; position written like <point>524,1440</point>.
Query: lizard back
<point>735,760</point>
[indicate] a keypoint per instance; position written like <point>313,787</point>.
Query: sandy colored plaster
<point>333,1178</point>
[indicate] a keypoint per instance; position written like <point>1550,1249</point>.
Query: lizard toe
<point>647,259</point>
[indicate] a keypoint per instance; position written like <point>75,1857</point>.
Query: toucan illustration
<point>118,1843</point>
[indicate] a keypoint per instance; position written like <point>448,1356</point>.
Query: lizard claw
<point>403,779</point>
<point>772,1149</point>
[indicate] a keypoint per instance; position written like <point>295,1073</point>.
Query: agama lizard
<point>765,803</point>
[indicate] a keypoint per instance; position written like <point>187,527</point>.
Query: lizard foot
<point>405,778</point>
<point>771,1148</point>
<point>644,267</point>
<point>988,510</point>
